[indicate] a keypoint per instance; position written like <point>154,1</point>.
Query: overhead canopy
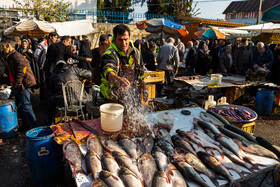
<point>272,14</point>
<point>210,33</point>
<point>234,33</point>
<point>263,28</point>
<point>162,25</point>
<point>34,29</point>
<point>74,28</point>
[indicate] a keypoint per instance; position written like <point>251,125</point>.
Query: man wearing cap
<point>121,65</point>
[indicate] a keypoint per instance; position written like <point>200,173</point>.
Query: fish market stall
<point>196,140</point>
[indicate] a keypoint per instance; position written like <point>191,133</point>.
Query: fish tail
<point>234,184</point>
<point>243,173</point>
<point>215,180</point>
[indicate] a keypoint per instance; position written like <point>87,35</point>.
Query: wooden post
<point>259,12</point>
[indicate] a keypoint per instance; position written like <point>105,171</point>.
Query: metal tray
<point>253,113</point>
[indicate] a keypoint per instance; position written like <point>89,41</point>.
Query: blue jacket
<point>266,58</point>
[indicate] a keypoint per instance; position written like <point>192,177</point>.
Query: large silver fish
<point>110,179</point>
<point>180,142</point>
<point>149,143</point>
<point>211,119</point>
<point>94,144</point>
<point>175,176</point>
<point>140,147</point>
<point>161,159</point>
<point>109,163</point>
<point>161,180</point>
<point>128,145</point>
<point>147,167</point>
<point>205,136</point>
<point>110,145</point>
<point>129,178</point>
<point>125,161</point>
<point>74,155</point>
<point>207,125</point>
<point>93,163</point>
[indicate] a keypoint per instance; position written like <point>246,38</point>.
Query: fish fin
<point>215,180</point>
<point>243,173</point>
<point>234,184</point>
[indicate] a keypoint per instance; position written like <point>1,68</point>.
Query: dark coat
<point>56,52</point>
<point>96,60</point>
<point>149,60</point>
<point>191,58</point>
<point>203,62</point>
<point>4,70</point>
<point>21,70</point>
<point>238,59</point>
<point>62,75</point>
<point>266,58</point>
<point>85,50</point>
<point>225,62</point>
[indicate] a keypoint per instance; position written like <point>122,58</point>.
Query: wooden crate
<point>248,127</point>
<point>151,88</point>
<point>154,77</point>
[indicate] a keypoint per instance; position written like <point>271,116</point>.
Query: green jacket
<point>111,60</point>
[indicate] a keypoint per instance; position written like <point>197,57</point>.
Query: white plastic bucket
<point>217,78</point>
<point>111,117</point>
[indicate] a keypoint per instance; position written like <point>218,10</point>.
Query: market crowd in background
<point>47,62</point>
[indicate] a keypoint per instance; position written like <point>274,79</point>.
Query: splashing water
<point>131,99</point>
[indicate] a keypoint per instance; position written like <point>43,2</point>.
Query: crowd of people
<point>29,63</point>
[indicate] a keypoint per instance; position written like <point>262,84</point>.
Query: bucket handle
<point>12,106</point>
<point>110,113</point>
<point>43,152</point>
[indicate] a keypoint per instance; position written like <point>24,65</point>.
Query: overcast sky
<point>211,9</point>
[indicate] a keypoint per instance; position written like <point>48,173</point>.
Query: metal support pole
<point>259,12</point>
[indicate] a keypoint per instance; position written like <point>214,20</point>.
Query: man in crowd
<point>96,57</point>
<point>4,70</point>
<point>149,58</point>
<point>262,57</point>
<point>221,47</point>
<point>168,60</point>
<point>22,80</point>
<point>40,55</point>
<point>85,51</point>
<point>121,65</point>
<point>61,51</point>
<point>190,59</point>
<point>181,49</point>
<point>64,72</point>
<point>243,58</point>
<point>226,60</point>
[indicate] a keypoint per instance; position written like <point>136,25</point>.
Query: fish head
<point>107,155</point>
<point>201,155</point>
<point>122,136</point>
<point>125,171</point>
<point>105,174</point>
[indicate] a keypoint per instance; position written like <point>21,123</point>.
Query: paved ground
<point>13,163</point>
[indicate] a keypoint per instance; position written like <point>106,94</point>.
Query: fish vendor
<point>121,66</point>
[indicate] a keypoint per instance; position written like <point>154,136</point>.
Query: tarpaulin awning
<point>210,33</point>
<point>273,14</point>
<point>234,33</point>
<point>74,28</point>
<point>263,28</point>
<point>162,25</point>
<point>31,28</point>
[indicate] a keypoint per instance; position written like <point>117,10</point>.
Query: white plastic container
<point>166,120</point>
<point>217,78</point>
<point>222,101</point>
<point>111,115</point>
<point>210,102</point>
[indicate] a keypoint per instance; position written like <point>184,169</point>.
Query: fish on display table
<point>129,178</point>
<point>99,183</point>
<point>109,163</point>
<point>93,163</point>
<point>189,172</point>
<point>147,167</point>
<point>74,155</point>
<point>241,132</point>
<point>207,125</point>
<point>180,142</point>
<point>161,179</point>
<point>197,164</point>
<point>165,146</point>
<point>205,136</point>
<point>94,144</point>
<point>149,143</point>
<point>161,159</point>
<point>229,144</point>
<point>226,162</point>
<point>196,147</point>
<point>177,179</point>
<point>110,145</point>
<point>211,119</point>
<point>124,161</point>
<point>201,142</point>
<point>140,147</point>
<point>128,146</point>
<point>110,179</point>
<point>215,165</point>
<point>217,116</point>
<point>237,160</point>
